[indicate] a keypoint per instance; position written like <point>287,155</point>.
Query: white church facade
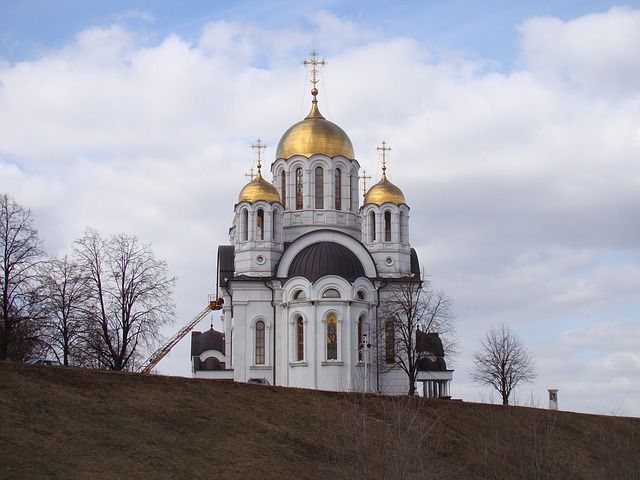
<point>305,278</point>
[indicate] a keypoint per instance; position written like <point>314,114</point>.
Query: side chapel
<point>303,279</point>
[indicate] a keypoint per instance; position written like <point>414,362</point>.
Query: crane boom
<point>159,354</point>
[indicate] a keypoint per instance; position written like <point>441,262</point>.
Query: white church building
<point>303,280</point>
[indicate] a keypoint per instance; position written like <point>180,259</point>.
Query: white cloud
<point>523,191</point>
<point>597,52</point>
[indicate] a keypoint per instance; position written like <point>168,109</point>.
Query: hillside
<point>68,423</point>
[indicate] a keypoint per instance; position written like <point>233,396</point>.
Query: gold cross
<point>251,175</point>
<point>258,147</point>
<point>314,62</point>
<point>364,177</point>
<point>384,149</point>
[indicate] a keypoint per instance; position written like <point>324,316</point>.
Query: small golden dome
<point>314,135</point>
<point>384,191</point>
<point>259,189</point>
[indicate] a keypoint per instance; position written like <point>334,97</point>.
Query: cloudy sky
<point>515,135</point>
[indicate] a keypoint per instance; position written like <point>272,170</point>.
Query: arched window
<point>403,228</point>
<point>260,224</point>
<point>319,187</point>
<point>299,189</point>
<point>372,226</point>
<point>361,346</point>
<point>332,337</point>
<point>387,226</point>
<point>299,339</point>
<point>274,226</point>
<point>298,295</point>
<point>331,293</point>
<point>353,191</point>
<point>260,344</point>
<point>283,188</point>
<point>244,225</point>
<point>390,342</point>
<point>338,189</point>
<point>361,295</point>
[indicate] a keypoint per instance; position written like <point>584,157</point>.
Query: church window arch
<point>389,342</point>
<point>260,343</point>
<point>299,339</point>
<point>299,188</point>
<point>283,188</point>
<point>319,188</point>
<point>361,295</point>
<point>332,336</point>
<point>298,295</point>
<point>387,226</point>
<point>338,189</point>
<point>403,228</point>
<point>244,225</point>
<point>360,337</point>
<point>372,226</point>
<point>274,226</point>
<point>260,224</point>
<point>331,293</point>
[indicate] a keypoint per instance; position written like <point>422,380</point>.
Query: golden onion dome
<point>315,134</point>
<point>259,189</point>
<point>384,191</point>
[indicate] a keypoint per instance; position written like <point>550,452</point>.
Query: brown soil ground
<point>68,423</point>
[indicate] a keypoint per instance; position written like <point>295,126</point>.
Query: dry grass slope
<point>69,423</point>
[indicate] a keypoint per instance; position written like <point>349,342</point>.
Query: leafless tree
<point>19,299</point>
<point>66,295</point>
<point>412,306</point>
<point>130,298</point>
<point>502,362</point>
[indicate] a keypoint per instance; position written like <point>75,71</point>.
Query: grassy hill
<point>69,423</point>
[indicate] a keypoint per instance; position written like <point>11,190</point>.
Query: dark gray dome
<point>209,340</point>
<point>326,258</point>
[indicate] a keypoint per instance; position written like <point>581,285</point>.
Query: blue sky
<point>515,129</point>
<point>478,29</point>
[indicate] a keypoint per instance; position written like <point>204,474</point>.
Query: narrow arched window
<point>260,343</point>
<point>353,192</point>
<point>403,228</point>
<point>283,188</point>
<point>372,226</point>
<point>274,226</point>
<point>332,337</point>
<point>338,192</point>
<point>387,226</point>
<point>260,224</point>
<point>299,339</point>
<point>244,225</point>
<point>319,187</point>
<point>390,342</point>
<point>361,342</point>
<point>299,189</point>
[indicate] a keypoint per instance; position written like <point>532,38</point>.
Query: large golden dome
<point>384,191</point>
<point>259,189</point>
<point>314,135</point>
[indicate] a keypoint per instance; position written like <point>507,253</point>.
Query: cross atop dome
<point>258,147</point>
<point>384,149</point>
<point>314,62</point>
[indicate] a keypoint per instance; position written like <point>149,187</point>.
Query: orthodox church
<point>305,278</point>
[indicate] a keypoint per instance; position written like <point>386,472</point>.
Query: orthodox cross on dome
<point>384,149</point>
<point>314,62</point>
<point>364,177</point>
<point>258,147</point>
<point>251,175</point>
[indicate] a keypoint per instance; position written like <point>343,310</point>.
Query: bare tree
<point>502,362</point>
<point>413,306</point>
<point>19,299</point>
<point>66,294</point>
<point>130,298</point>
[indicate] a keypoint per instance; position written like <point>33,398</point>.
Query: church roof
<point>259,189</point>
<point>326,258</point>
<point>209,340</point>
<point>432,344</point>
